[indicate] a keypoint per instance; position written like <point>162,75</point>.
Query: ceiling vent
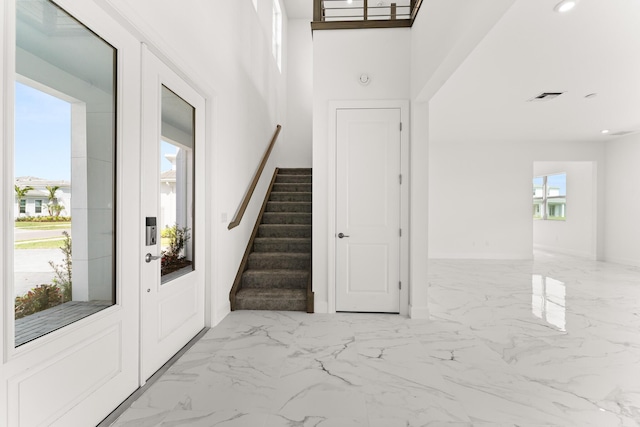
<point>545,96</point>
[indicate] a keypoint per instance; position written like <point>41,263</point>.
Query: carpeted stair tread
<point>284,179</point>
<point>279,260</point>
<point>282,244</point>
<point>290,196</point>
<point>289,207</point>
<point>279,299</point>
<point>295,187</point>
<point>294,171</point>
<point>284,230</point>
<point>286,218</point>
<point>285,279</point>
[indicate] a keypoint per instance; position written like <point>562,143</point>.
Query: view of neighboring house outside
<point>36,201</point>
<point>551,205</point>
<point>168,194</point>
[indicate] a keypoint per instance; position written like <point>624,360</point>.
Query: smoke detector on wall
<point>545,96</point>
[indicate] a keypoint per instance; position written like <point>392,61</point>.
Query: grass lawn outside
<point>42,225</point>
<point>53,243</point>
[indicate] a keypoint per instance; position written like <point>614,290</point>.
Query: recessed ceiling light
<point>604,131</point>
<point>591,95</point>
<point>565,6</point>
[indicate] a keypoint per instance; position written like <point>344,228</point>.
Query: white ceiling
<point>299,9</point>
<point>595,48</point>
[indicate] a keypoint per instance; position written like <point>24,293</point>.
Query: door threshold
<point>113,416</point>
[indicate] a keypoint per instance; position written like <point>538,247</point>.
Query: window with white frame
<point>38,206</point>
<point>276,35</point>
<point>550,197</point>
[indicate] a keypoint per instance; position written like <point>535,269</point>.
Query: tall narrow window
<point>65,116</point>
<point>176,185</point>
<point>276,35</point>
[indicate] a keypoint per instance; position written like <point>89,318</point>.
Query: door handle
<point>149,257</point>
<point>342,235</point>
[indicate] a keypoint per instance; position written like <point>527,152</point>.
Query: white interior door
<point>368,210</point>
<point>173,211</point>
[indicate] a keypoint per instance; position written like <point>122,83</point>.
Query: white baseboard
<point>320,306</point>
<point>623,261</point>
<point>564,251</point>
<point>418,312</point>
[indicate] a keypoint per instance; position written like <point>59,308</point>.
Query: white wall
<point>444,33</point>
<point>577,234</point>
<point>622,199</point>
<point>339,58</point>
<point>295,147</point>
<point>480,195</point>
<point>224,49</point>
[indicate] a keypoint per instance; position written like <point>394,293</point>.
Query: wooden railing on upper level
<point>353,14</point>
<point>256,177</point>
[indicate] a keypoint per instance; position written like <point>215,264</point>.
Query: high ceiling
<point>593,49</point>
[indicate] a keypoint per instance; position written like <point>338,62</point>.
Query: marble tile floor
<point>550,342</point>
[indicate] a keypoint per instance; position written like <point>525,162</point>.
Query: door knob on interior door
<point>342,235</point>
<point>149,257</point>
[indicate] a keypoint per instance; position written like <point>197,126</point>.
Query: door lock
<point>342,235</point>
<point>150,231</point>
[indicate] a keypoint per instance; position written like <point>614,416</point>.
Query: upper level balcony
<point>353,14</point>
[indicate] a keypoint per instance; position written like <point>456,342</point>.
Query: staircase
<point>276,271</point>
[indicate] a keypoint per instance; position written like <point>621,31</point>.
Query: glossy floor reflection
<point>553,342</point>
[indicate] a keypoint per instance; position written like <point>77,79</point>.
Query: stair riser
<point>294,171</point>
<point>290,197</point>
<point>289,179</point>
<point>268,281</point>
<point>286,218</point>
<point>293,188</point>
<point>290,247</point>
<point>302,207</point>
<point>274,305</point>
<point>271,230</point>
<point>278,263</point>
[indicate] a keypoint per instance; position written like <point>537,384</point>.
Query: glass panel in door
<point>64,171</point>
<point>176,186</point>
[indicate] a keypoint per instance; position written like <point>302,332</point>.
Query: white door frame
<point>334,106</point>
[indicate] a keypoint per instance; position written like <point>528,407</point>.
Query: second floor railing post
<point>365,10</point>
<point>317,10</point>
<point>393,11</point>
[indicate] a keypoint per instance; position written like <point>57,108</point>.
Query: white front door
<point>368,210</point>
<point>71,363</point>
<point>172,199</point>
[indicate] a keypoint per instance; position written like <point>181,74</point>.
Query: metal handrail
<point>256,177</point>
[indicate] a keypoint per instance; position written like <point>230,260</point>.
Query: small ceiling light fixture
<point>604,131</point>
<point>565,6</point>
<point>591,95</point>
